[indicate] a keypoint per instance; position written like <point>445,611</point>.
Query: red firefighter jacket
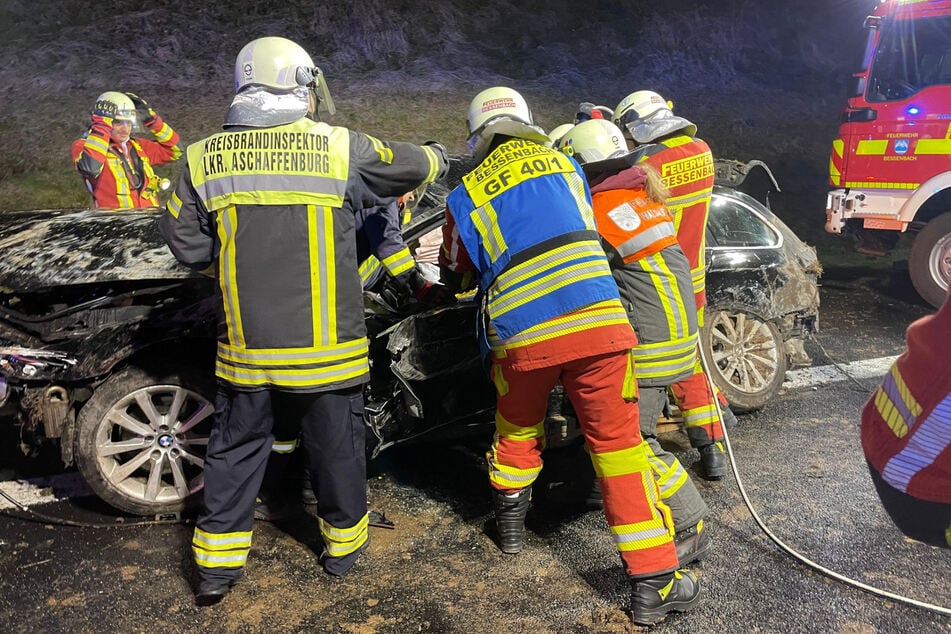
<point>122,177</point>
<point>686,166</point>
<point>906,425</point>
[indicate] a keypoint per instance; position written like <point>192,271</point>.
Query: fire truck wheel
<point>141,438</point>
<point>930,261</point>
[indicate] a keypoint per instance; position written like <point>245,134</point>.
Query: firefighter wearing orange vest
<point>117,169</point>
<point>653,277</point>
<point>667,143</point>
<point>906,433</point>
<point>522,223</point>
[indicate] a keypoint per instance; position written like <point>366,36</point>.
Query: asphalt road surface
<point>438,571</point>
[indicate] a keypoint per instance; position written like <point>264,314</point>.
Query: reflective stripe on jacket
<point>274,207</point>
<point>524,217</point>
<point>380,245</point>
<point>686,166</point>
<point>906,424</point>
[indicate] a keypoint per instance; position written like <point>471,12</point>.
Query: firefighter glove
<point>429,294</point>
<point>101,123</point>
<point>142,108</point>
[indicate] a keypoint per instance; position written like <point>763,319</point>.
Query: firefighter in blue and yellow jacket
<point>270,202</point>
<point>522,223</point>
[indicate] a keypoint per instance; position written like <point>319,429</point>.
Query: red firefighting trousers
<point>696,403</point>
<point>640,522</point>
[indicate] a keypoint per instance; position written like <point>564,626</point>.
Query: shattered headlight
<point>25,363</point>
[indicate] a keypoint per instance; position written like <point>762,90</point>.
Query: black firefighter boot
<point>652,598</point>
<point>692,543</point>
<point>510,512</point>
<point>713,460</point>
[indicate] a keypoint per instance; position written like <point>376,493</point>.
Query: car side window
<point>733,224</point>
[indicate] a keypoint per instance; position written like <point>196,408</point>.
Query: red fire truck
<point>891,165</point>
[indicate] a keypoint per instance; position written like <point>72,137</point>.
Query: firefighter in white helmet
<point>117,168</point>
<point>520,228</point>
<point>668,143</point>
<point>270,202</point>
<point>558,132</point>
<point>653,276</point>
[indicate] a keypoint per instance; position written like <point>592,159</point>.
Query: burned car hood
<point>48,248</point>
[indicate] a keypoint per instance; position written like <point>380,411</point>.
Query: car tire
<point>929,263</point>
<point>141,439</point>
<point>746,357</point>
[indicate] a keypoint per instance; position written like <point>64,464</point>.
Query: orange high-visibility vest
<point>632,223</point>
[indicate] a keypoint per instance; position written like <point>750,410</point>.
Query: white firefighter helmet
<point>593,140</point>
<point>646,116</point>
<point>115,105</point>
<point>273,77</point>
<point>558,132</point>
<point>499,110</point>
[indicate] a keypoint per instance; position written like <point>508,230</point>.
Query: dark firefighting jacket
<point>381,248</point>
<point>274,209</point>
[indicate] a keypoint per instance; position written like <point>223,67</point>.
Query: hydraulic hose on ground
<point>782,546</point>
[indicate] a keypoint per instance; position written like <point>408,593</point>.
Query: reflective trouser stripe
<point>656,532</point>
<point>669,478</point>
<point>506,477</point>
<point>706,415</point>
<point>221,550</point>
<point>343,541</point>
<point>696,403</point>
<point>514,459</point>
<point>284,446</point>
<point>641,536</point>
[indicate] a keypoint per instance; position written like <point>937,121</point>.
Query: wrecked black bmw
<point>107,344</point>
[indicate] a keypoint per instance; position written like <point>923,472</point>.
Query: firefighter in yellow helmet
<point>270,202</point>
<point>520,227</point>
<point>669,144</point>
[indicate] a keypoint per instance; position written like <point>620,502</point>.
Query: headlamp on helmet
<point>114,105</point>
